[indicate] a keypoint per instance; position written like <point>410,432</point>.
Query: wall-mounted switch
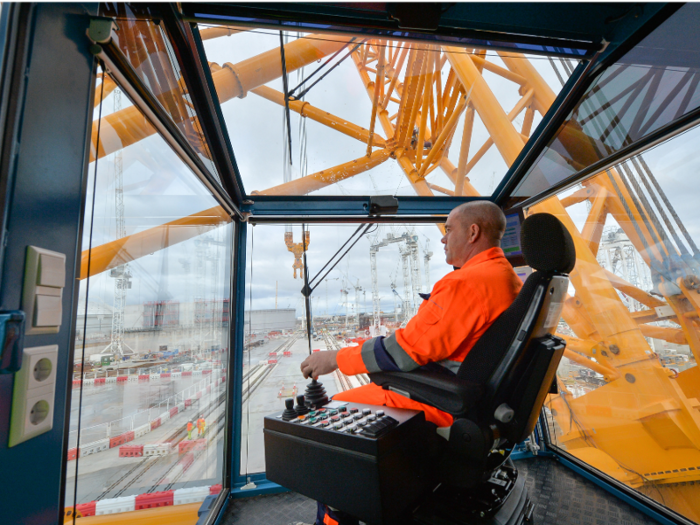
<point>33,395</point>
<point>44,280</point>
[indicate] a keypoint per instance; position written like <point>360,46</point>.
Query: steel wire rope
<point>307,297</point>
<point>87,293</point>
<point>603,100</point>
<point>628,211</point>
<point>304,92</point>
<point>670,207</point>
<point>657,233</point>
<point>285,85</point>
<point>319,68</point>
<point>679,243</point>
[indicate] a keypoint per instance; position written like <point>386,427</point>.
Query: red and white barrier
<point>142,430</point>
<point>151,500</point>
<point>156,449</point>
<point>131,451</point>
<point>86,509</point>
<point>154,500</point>
<point>190,495</point>
<point>94,447</point>
<point>115,505</point>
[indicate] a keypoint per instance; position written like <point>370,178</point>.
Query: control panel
<point>348,418</point>
<point>362,459</point>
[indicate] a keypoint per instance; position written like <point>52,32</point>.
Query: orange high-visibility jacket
<point>200,423</point>
<point>189,426</point>
<point>461,307</point>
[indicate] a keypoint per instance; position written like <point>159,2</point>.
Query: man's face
<point>456,240</point>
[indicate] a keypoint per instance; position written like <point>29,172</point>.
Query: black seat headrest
<point>547,245</point>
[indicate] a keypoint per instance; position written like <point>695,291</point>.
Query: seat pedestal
<point>502,500</point>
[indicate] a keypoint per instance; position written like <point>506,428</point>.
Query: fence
<point>126,424</point>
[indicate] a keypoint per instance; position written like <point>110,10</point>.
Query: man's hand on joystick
<point>319,363</point>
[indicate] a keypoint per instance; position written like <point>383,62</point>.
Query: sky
<point>159,188</point>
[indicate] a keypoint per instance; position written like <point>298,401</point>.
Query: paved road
<point>265,400</point>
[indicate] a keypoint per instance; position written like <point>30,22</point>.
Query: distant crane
<point>344,292</point>
<point>396,294</point>
<point>427,254</point>
<point>411,277</point>
<point>358,289</point>
<point>122,273</point>
<point>206,312</point>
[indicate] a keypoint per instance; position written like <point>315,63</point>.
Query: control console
<point>361,459</point>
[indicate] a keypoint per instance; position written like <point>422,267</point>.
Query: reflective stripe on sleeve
<point>368,357</point>
<point>399,355</point>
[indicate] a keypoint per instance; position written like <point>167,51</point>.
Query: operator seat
<point>497,395</point>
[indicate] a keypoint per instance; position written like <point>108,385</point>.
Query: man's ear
<point>474,233</point>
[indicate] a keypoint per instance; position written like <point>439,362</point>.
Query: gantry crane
<point>411,281</point>
<point>642,426</point>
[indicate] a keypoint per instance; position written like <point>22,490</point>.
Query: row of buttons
<point>343,420</point>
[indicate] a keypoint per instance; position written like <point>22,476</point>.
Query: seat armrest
<point>447,393</point>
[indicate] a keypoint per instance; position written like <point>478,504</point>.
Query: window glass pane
<point>444,120</point>
<point>148,49</point>
<point>629,380</point>
<point>152,330</point>
<point>409,262</point>
<point>654,84</point>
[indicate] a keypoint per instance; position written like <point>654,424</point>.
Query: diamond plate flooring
<point>561,497</point>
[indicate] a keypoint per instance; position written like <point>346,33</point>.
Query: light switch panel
<point>47,311</point>
<point>52,270</point>
<point>44,280</point>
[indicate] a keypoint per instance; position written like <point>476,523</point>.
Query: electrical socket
<point>33,395</point>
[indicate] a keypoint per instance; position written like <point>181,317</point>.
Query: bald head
<point>472,228</point>
<point>487,216</point>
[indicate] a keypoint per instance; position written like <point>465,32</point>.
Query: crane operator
<point>460,308</point>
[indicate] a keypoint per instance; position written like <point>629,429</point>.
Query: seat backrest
<point>517,356</point>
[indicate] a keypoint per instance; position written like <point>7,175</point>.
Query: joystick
<point>316,394</point>
<point>289,412</point>
<point>301,407</point>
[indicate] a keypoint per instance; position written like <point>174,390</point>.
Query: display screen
<point>511,238</point>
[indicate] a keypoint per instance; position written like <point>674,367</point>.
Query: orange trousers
<point>375,395</point>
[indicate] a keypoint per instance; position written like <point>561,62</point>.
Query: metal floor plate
<point>561,497</point>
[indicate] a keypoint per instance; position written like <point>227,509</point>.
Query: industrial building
<point>200,199</point>
<point>264,321</point>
